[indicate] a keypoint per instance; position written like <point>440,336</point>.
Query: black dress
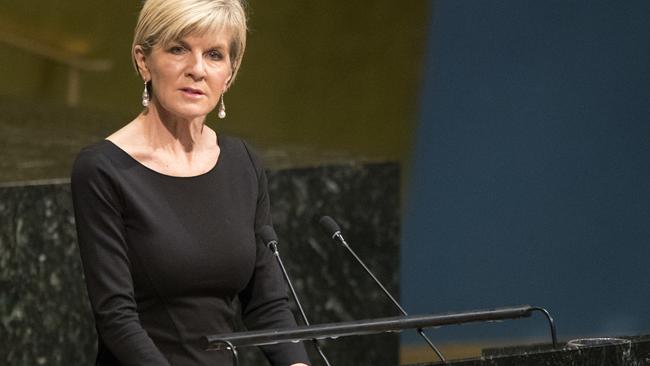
<point>164,257</point>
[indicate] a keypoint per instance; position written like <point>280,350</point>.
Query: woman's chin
<point>188,111</point>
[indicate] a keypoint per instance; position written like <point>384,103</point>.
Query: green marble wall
<point>45,314</point>
<point>45,317</point>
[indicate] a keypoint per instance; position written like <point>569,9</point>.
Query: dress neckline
<point>155,172</point>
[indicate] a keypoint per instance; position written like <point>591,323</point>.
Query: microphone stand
<point>329,223</point>
<point>273,245</point>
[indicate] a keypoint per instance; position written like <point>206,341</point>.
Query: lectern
<point>232,341</point>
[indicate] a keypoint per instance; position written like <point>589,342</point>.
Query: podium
<point>633,351</point>
<point>232,341</point>
<point>619,351</point>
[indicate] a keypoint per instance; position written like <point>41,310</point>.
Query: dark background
<point>531,171</point>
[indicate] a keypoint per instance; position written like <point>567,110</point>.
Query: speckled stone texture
<point>46,317</point>
<point>634,353</point>
<point>365,202</point>
<point>44,310</point>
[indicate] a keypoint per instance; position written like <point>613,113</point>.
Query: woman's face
<point>189,75</point>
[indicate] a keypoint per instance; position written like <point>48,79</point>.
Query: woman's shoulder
<point>113,147</point>
<point>239,147</point>
<point>94,174</point>
<point>229,141</point>
<point>96,152</point>
<point>96,148</point>
<point>93,158</point>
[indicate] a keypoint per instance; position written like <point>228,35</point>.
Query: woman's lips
<point>192,92</point>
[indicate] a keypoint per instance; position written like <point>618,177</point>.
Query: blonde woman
<point>167,210</point>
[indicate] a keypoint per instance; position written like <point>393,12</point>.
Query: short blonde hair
<point>164,21</point>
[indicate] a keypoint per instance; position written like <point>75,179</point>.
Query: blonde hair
<point>162,22</point>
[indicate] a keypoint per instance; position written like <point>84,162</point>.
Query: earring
<point>145,96</point>
<point>222,109</point>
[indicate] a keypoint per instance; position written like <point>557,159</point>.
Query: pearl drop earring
<point>222,109</point>
<point>145,96</point>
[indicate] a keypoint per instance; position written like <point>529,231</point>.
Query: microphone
<point>333,229</point>
<point>270,238</point>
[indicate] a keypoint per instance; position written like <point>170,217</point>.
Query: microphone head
<point>268,235</point>
<point>329,225</point>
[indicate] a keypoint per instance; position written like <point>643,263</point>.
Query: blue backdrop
<point>531,171</point>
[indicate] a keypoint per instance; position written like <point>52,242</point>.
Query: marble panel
<point>46,318</point>
<point>44,310</point>
<point>635,352</point>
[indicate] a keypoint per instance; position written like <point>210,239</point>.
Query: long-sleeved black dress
<point>164,257</point>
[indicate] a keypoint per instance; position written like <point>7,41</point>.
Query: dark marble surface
<point>634,352</point>
<point>365,202</point>
<point>44,311</point>
<point>46,317</point>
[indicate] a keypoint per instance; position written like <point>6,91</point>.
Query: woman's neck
<point>165,131</point>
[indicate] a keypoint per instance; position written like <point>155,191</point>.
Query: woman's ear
<point>226,85</point>
<point>141,61</point>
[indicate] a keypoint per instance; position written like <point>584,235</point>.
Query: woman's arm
<point>104,255</point>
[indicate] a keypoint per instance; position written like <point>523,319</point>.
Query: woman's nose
<point>196,66</point>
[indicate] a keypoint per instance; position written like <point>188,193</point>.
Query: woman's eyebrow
<point>217,46</point>
<point>183,43</point>
<point>220,46</point>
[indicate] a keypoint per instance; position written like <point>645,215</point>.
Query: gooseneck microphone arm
<point>270,238</point>
<point>333,229</point>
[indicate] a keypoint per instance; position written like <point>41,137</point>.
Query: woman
<point>167,210</point>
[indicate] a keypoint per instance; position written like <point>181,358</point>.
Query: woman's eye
<point>215,55</point>
<point>176,50</point>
